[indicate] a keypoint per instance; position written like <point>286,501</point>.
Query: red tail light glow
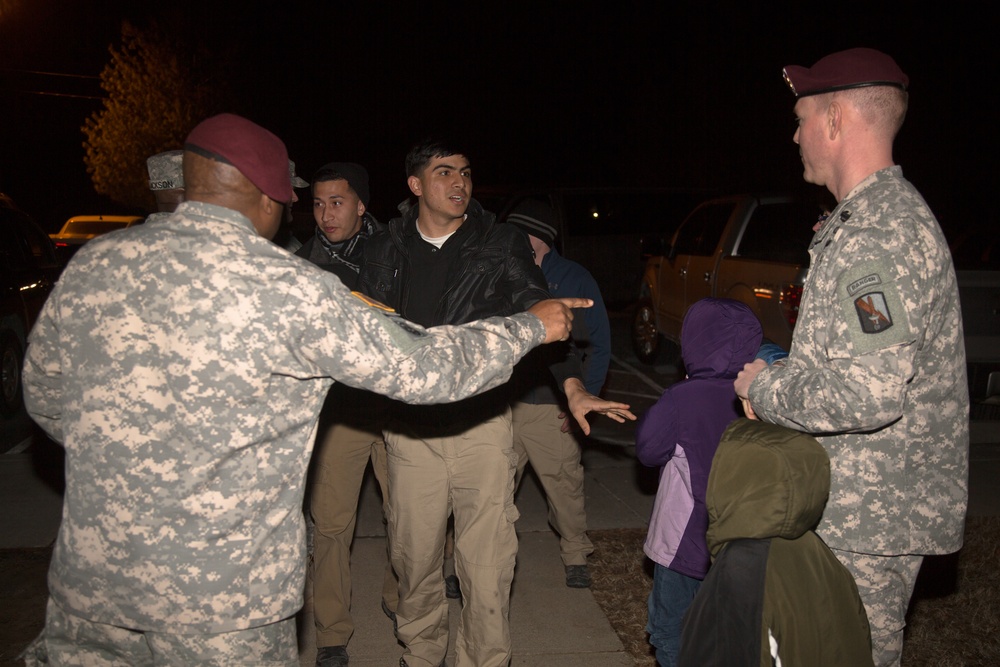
<point>791,296</point>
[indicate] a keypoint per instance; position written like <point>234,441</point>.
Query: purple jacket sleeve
<point>656,432</point>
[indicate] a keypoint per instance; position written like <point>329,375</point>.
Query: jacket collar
<point>478,221</point>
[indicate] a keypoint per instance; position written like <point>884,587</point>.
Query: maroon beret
<point>258,154</point>
<point>854,68</point>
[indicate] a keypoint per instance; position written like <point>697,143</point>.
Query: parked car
<point>28,270</point>
<point>745,247</point>
<point>81,228</point>
<point>976,252</point>
<point>602,228</point>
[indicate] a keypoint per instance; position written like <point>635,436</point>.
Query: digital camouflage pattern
<point>156,217</point>
<point>877,372</point>
<point>183,363</point>
<point>885,583</point>
<point>272,645</point>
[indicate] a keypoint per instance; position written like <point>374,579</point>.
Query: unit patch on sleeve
<point>873,312</point>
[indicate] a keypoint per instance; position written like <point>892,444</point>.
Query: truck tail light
<point>790,297</point>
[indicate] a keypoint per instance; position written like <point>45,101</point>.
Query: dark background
<point>619,93</point>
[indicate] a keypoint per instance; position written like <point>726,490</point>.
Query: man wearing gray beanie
<point>541,431</point>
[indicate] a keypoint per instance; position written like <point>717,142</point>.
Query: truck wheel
<point>11,359</point>
<point>646,339</point>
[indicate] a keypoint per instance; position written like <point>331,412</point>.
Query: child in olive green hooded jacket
<point>775,594</point>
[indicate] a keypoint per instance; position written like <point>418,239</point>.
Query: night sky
<point>562,93</point>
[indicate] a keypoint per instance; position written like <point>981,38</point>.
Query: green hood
<point>766,481</point>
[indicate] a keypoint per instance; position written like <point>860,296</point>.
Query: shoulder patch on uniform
<point>862,283</point>
<point>873,312</point>
<point>372,302</point>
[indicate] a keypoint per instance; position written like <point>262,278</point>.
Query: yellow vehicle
<point>81,228</point>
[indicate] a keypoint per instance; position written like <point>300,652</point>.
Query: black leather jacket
<point>497,277</point>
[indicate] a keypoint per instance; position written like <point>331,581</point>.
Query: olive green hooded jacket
<point>773,585</point>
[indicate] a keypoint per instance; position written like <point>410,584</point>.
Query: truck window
<point>701,232</point>
<point>779,232</point>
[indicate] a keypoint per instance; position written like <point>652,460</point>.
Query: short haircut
<point>882,107</point>
<point>422,153</point>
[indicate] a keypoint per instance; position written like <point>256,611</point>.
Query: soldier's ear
<point>267,204</point>
<point>415,185</point>
<point>834,118</point>
<point>266,216</point>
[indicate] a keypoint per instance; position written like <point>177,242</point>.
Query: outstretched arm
<point>366,345</point>
<point>582,402</point>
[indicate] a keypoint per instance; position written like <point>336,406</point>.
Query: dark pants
<point>668,601</point>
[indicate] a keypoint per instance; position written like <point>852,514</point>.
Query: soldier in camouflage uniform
<point>876,368</point>
<point>182,363</point>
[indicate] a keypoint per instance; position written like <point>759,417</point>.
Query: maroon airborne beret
<point>853,68</point>
<point>256,152</point>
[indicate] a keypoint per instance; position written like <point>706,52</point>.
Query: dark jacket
<point>530,382</point>
<point>682,430</point>
<point>345,261</point>
<point>772,575</point>
<point>496,275</point>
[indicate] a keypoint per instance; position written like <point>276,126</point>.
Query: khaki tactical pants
<point>555,457</point>
<point>467,471</point>
<point>340,463</point>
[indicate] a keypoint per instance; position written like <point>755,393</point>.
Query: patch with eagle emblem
<point>873,312</point>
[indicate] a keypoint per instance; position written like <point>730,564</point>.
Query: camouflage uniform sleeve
<point>833,397</point>
<point>369,347</point>
<point>854,354</point>
<point>42,377</point>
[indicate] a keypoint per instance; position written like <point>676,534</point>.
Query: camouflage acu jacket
<point>877,372</point>
<point>182,363</point>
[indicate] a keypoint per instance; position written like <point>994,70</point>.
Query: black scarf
<point>348,252</point>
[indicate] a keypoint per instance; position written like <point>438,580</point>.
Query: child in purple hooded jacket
<point>680,433</point>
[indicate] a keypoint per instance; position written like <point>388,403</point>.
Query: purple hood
<point>718,337</point>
